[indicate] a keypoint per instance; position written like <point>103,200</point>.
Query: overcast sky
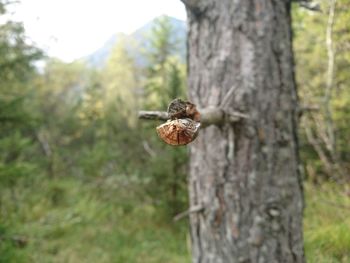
<point>70,29</point>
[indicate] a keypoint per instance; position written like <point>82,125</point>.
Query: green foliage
<point>102,219</point>
<point>16,123</point>
<point>311,68</point>
<point>16,129</point>
<point>107,219</point>
<point>165,73</point>
<point>121,83</point>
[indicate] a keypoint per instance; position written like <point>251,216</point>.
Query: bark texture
<point>244,174</point>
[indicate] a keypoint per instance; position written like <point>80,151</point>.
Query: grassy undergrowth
<point>327,224</point>
<point>71,221</point>
<point>68,220</point>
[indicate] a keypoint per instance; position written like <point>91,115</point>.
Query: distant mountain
<point>98,58</point>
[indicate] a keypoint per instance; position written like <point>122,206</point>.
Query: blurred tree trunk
<point>331,144</point>
<point>245,176</point>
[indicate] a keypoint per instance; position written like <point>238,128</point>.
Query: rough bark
<point>244,175</point>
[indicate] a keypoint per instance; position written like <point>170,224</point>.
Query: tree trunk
<point>245,175</point>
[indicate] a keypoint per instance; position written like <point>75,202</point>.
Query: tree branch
<point>215,115</point>
<point>307,109</point>
<point>154,115</point>
<point>209,116</point>
<point>194,209</point>
<point>310,6</point>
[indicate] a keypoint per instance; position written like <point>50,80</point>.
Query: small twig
<point>304,108</point>
<point>44,143</point>
<point>154,115</point>
<point>301,110</point>
<point>19,241</point>
<point>228,96</point>
<point>194,209</point>
<point>335,204</point>
<point>148,149</point>
<point>311,6</point>
<point>236,114</point>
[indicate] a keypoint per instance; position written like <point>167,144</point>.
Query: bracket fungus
<point>183,124</point>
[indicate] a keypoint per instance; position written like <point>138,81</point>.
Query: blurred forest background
<point>82,180</point>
